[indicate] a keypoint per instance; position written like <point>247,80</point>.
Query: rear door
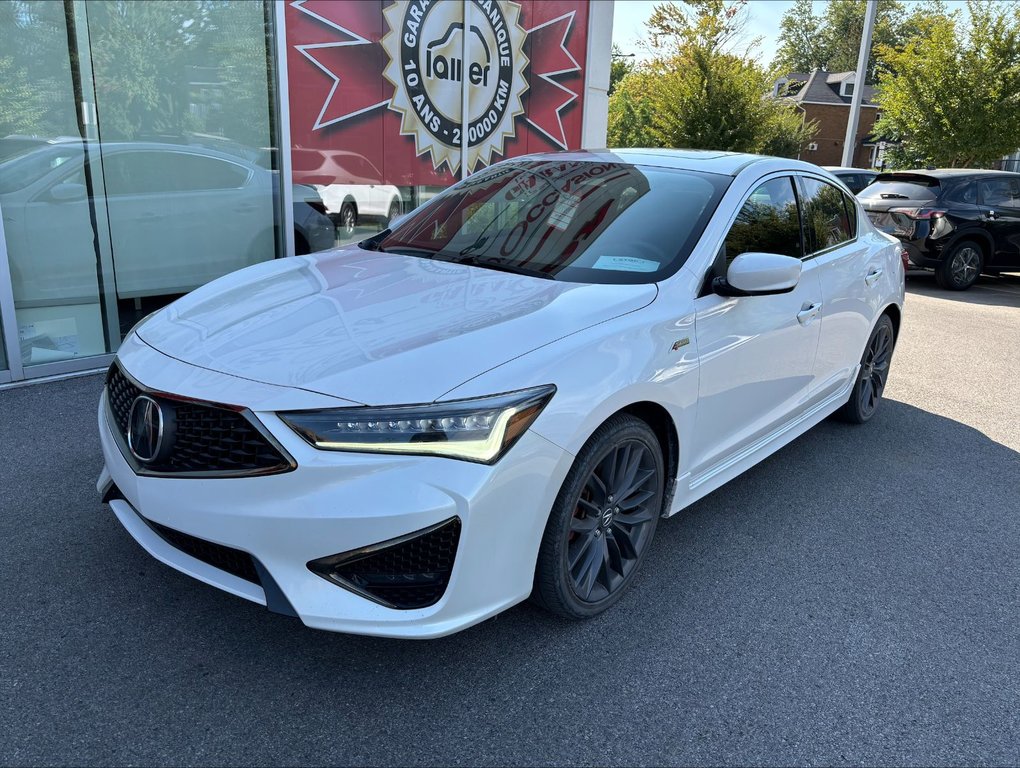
<point>999,201</point>
<point>849,272</point>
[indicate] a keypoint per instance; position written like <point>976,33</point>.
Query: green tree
<point>619,68</point>
<point>36,93</point>
<point>700,90</point>
<point>801,47</point>
<point>832,41</point>
<point>952,92</point>
<point>630,115</point>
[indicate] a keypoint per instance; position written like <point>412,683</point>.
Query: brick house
<point>825,97</point>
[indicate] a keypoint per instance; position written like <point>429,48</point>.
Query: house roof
<point>821,87</point>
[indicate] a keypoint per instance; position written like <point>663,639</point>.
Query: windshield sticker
<point>625,264</point>
<point>563,211</point>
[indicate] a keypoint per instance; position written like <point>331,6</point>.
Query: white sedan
<point>500,396</point>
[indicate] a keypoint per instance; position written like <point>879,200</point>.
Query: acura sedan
<point>500,395</point>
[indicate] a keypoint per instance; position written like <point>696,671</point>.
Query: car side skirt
<point>689,489</point>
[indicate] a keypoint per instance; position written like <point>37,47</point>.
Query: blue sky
<point>763,21</point>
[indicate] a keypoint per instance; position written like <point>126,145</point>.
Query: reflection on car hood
<point>376,328</point>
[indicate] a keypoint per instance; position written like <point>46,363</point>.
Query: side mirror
<point>67,191</point>
<point>759,274</point>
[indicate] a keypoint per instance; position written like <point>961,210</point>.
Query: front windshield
<point>578,221</point>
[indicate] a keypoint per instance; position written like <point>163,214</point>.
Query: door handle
<point>808,314</point>
<point>992,215</point>
<point>873,276</point>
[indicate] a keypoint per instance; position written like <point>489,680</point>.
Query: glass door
<point>50,222</point>
<point>137,150</point>
<point>185,122</point>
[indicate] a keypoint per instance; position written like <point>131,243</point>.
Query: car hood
<point>376,328</point>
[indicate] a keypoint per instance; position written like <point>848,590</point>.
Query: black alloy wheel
<point>873,375</point>
<point>603,521</point>
<point>961,267</point>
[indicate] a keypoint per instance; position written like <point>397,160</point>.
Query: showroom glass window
<point>826,219</point>
<point>768,222</point>
<point>159,181</point>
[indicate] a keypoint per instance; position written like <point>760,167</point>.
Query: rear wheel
<point>872,377</point>
<point>393,212</point>
<point>961,267</point>
<point>348,219</point>
<point>603,520</point>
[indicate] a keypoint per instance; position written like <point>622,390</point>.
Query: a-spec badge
<point>681,343</point>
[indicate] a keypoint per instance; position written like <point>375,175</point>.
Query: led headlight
<point>481,429</point>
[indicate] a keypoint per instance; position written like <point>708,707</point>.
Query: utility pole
<point>862,71</point>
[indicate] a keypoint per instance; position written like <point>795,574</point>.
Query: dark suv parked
<point>961,223</point>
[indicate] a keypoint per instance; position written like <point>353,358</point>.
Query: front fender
<point>606,368</point>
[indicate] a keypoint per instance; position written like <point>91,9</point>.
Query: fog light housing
<point>404,573</point>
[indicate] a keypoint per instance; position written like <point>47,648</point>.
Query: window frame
<point>794,187</point>
<point>1010,180</point>
<point>120,153</point>
<point>802,194</point>
<point>710,270</point>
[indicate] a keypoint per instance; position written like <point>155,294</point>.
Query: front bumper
<point>336,502</point>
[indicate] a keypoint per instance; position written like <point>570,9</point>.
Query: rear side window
<point>854,182</point>
<point>1002,193</point>
<point>767,222</point>
<point>893,188</point>
<point>851,214</point>
<point>826,223</point>
<point>962,193</point>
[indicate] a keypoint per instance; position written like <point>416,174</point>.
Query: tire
<point>348,219</point>
<point>393,212</point>
<point>605,541</point>
<point>961,267</point>
<point>873,375</point>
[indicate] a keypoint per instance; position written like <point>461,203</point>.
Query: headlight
<point>481,429</point>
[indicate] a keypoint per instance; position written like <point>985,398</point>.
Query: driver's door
<point>756,353</point>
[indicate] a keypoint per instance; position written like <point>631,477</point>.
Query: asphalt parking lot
<point>852,600</point>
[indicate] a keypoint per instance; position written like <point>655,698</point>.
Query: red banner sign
<point>376,87</point>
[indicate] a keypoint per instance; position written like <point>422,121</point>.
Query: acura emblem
<point>145,429</point>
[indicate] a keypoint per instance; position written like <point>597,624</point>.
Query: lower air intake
<point>412,571</point>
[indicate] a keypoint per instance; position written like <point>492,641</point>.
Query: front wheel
<point>603,520</point>
<point>872,377</point>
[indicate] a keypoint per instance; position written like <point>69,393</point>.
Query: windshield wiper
<point>403,250</point>
<point>500,265</point>
<point>373,243</point>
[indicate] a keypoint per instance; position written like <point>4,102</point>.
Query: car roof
<point>949,173</point>
<point>124,146</point>
<point>846,168</point>
<point>707,161</point>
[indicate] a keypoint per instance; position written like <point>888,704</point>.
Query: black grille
<point>218,556</point>
<point>206,438</point>
<point>410,572</point>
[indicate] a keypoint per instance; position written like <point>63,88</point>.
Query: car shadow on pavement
<point>852,598</point>
<point>1002,290</point>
